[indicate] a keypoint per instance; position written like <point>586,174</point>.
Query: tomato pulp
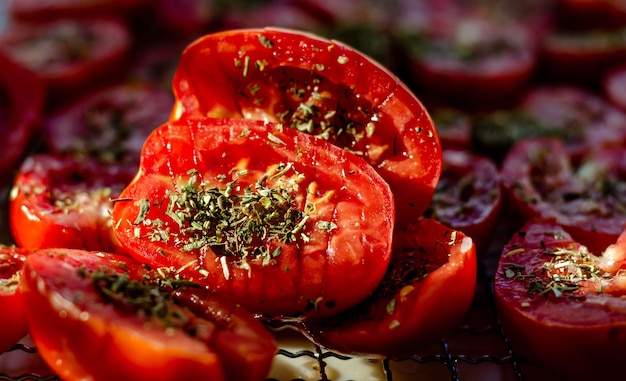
<point>279,221</point>
<point>320,87</point>
<point>12,318</point>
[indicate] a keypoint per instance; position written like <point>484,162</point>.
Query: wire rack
<point>477,350</point>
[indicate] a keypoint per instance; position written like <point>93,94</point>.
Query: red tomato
<point>65,202</point>
<point>321,87</point>
<point>540,178</point>
<point>454,127</point>
<point>582,57</point>
<point>277,220</point>
<point>561,306</point>
<point>37,10</point>
<point>427,290</point>
<point>109,124</point>
<point>614,86</point>
<point>69,55</point>
<point>21,105</point>
<point>97,316</point>
<point>478,63</point>
<point>12,318</point>
<point>468,196</point>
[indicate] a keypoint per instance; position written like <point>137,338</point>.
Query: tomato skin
<point>425,308</point>
<point>22,95</point>
<point>61,201</point>
<point>578,338</point>
<point>80,335</point>
<point>12,318</point>
<point>306,277</point>
<point>109,124</point>
<point>540,178</point>
<point>217,77</point>
<point>79,53</point>
<point>468,196</point>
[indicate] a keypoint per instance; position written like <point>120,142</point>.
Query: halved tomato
<point>98,316</point>
<point>320,87</point>
<point>12,318</point>
<point>66,202</point>
<point>426,292</point>
<point>562,306</point>
<point>277,220</point>
<point>22,99</point>
<point>540,178</point>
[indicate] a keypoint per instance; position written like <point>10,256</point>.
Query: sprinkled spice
<point>229,220</point>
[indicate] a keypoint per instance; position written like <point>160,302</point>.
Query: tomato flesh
<point>81,331</point>
<point>427,290</point>
<point>321,87</point>
<point>12,318</point>
<point>326,232</point>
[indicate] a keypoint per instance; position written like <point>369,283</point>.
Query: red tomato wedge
<point>540,178</point>
<point>12,318</point>
<point>279,221</point>
<point>65,202</point>
<point>562,306</point>
<point>69,55</point>
<point>21,104</point>
<point>427,290</point>
<point>468,196</point>
<point>321,87</point>
<point>98,316</point>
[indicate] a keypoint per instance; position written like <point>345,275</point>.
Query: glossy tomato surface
<point>21,106</point>
<point>66,202</point>
<point>427,290</point>
<point>98,316</point>
<point>277,220</point>
<point>12,318</point>
<point>108,124</point>
<point>321,87</point>
<point>540,178</point>
<point>468,196</point>
<point>562,306</point>
<point>69,55</point>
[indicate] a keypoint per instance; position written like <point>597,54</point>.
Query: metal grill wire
<point>487,326</point>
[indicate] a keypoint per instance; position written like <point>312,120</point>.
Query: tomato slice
<point>109,124</point>
<point>12,318</point>
<point>427,290</point>
<point>65,202</point>
<point>477,63</point>
<point>21,105</point>
<point>98,316</point>
<point>468,196</point>
<point>540,178</point>
<point>298,220</point>
<point>69,55</point>
<point>562,306</point>
<point>321,87</point>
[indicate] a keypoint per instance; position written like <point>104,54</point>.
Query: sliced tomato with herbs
<point>108,124</point>
<point>21,106</point>
<point>468,196</point>
<point>562,306</point>
<point>540,178</point>
<point>478,63</point>
<point>98,316</point>
<point>277,220</point>
<point>69,55</point>
<point>66,202</point>
<point>426,292</point>
<point>321,87</point>
<point>12,318</point>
